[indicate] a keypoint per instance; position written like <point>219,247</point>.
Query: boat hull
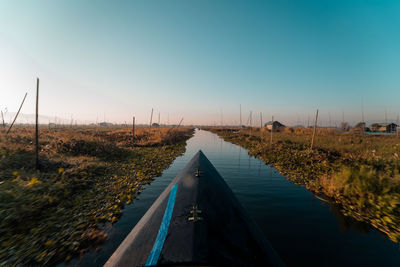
<point>197,220</point>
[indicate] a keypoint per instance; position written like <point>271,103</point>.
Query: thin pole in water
<point>315,129</point>
<point>37,125</point>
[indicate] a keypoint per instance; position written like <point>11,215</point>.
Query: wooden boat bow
<point>197,220</point>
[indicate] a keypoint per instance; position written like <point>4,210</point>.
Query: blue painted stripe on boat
<point>162,232</point>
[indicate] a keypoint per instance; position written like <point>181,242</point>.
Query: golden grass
<point>87,176</point>
<point>360,172</point>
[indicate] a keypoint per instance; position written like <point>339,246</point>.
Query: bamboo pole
<point>151,118</point>
<point>178,126</point>
<point>2,117</point>
<point>16,115</point>
<point>240,107</point>
<point>133,129</point>
<point>251,122</point>
<point>180,123</point>
<point>362,117</point>
<point>37,125</point>
<point>330,120</point>
<point>221,119</point>
<point>251,119</point>
<point>315,130</point>
<point>272,129</point>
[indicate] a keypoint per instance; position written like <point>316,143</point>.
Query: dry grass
<point>360,172</point>
<point>87,176</point>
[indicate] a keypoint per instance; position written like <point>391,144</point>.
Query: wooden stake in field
<point>272,129</point>
<point>37,125</point>
<point>221,119</point>
<point>16,115</point>
<point>151,118</point>
<point>240,107</point>
<point>180,123</point>
<point>330,121</point>
<point>386,115</point>
<point>342,117</point>
<point>362,117</point>
<point>178,126</point>
<point>260,120</point>
<point>251,122</point>
<point>315,130</point>
<point>2,117</point>
<point>133,129</point>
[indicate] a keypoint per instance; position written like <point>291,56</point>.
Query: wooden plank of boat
<point>197,220</point>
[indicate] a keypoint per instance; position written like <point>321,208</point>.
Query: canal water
<point>304,230</point>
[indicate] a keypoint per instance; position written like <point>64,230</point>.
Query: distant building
<point>384,127</point>
<point>155,125</point>
<point>105,124</point>
<point>277,126</point>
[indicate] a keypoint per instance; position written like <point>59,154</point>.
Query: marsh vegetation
<point>359,172</point>
<point>86,177</point>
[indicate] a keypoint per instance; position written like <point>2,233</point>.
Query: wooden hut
<point>276,125</point>
<point>384,127</point>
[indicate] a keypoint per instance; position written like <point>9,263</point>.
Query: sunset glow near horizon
<point>102,60</point>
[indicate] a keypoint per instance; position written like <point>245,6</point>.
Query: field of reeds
<point>87,175</point>
<point>359,172</point>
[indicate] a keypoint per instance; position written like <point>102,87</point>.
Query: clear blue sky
<point>115,59</point>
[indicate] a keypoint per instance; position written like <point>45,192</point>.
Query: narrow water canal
<point>304,230</point>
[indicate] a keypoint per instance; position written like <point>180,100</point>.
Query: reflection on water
<point>303,229</point>
<point>347,223</point>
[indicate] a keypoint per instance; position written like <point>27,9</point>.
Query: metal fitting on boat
<point>195,214</point>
